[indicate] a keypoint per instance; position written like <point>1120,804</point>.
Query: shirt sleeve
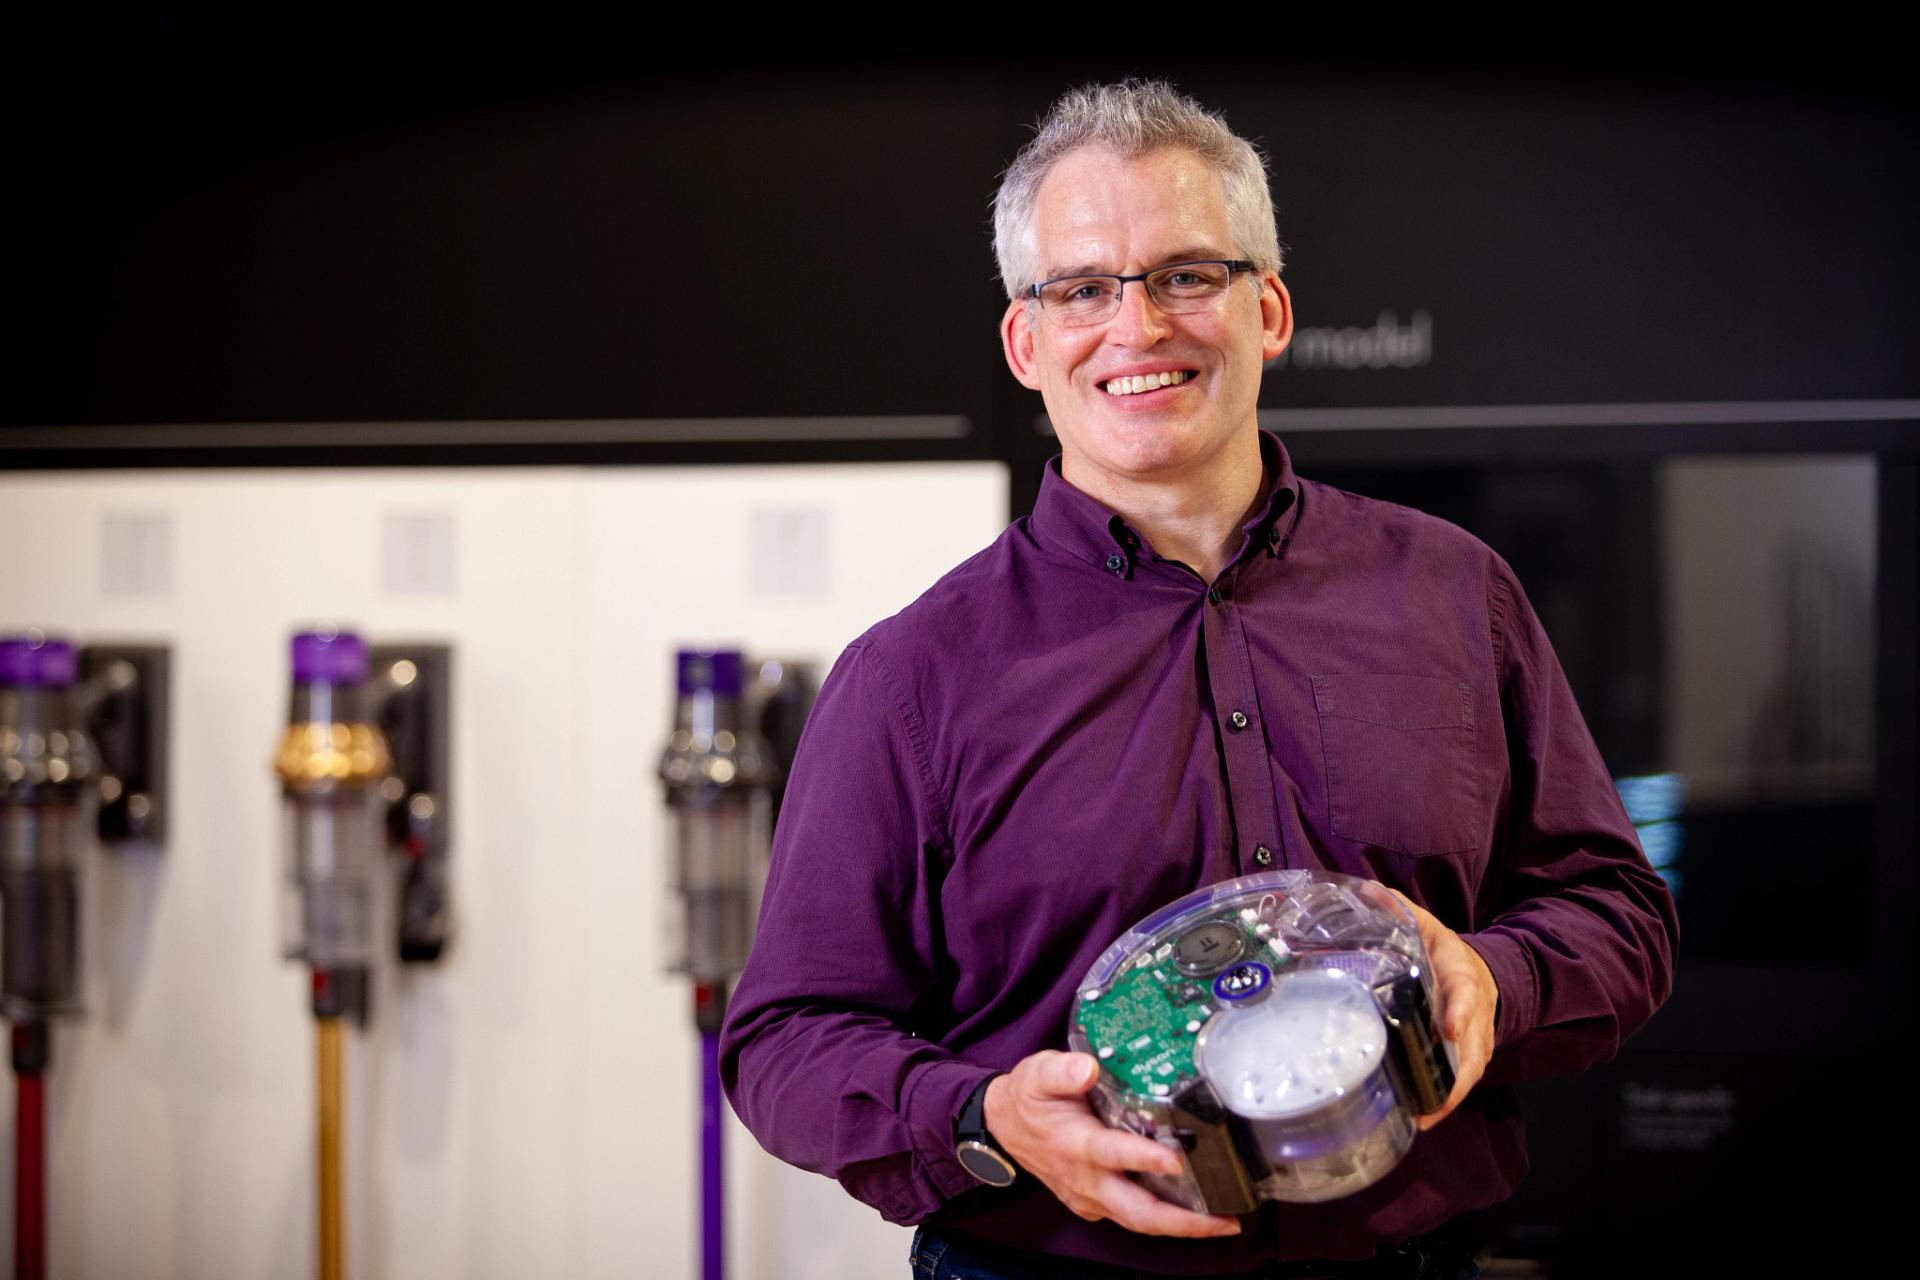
<point>818,1054</point>
<point>1582,935</point>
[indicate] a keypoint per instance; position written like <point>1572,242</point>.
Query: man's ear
<point>1276,316</point>
<point>1016,339</point>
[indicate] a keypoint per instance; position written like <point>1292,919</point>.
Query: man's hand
<point>1468,1000</point>
<point>1038,1113</point>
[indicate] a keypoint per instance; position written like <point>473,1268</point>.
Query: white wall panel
<point>527,1107</point>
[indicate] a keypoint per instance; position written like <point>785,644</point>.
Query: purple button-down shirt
<point>1068,732</point>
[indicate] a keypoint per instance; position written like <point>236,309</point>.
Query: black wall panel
<point>224,231</point>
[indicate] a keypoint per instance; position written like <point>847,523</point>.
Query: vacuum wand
<point>331,763</point>
<point>31,1049</point>
<point>717,773</point>
<point>47,763</point>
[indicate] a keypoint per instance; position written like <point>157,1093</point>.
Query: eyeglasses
<point>1179,289</point>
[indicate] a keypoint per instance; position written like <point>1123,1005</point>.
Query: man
<point>1189,664</point>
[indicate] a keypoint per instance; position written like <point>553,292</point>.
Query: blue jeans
<point>938,1255</point>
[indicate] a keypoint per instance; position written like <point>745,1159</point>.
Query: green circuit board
<point>1142,1027</point>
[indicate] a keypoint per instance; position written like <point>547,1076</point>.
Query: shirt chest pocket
<point>1399,754</point>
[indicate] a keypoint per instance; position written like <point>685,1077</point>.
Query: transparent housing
<point>333,840</point>
<point>719,868</point>
<point>1276,1031</point>
<point>716,771</point>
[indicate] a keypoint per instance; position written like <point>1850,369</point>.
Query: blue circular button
<point>1245,981</point>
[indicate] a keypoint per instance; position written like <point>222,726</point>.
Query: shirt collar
<point>1068,519</point>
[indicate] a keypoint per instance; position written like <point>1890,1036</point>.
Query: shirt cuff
<point>935,1094</point>
<point>1512,969</point>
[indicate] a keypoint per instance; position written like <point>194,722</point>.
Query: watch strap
<point>974,1147</point>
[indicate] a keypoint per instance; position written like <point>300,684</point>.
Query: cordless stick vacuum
<point>717,772</point>
<point>46,762</point>
<point>65,744</point>
<point>330,764</point>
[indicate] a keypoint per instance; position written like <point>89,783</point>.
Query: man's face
<point>1099,212</point>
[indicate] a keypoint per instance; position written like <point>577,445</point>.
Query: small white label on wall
<point>136,554</point>
<point>789,553</point>
<point>419,553</point>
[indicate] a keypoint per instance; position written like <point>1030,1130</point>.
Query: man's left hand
<point>1468,1000</point>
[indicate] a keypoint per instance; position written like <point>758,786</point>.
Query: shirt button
<point>1213,595</point>
<point>1263,855</point>
<point>1116,564</point>
<point>1273,535</point>
<point>1238,719</point>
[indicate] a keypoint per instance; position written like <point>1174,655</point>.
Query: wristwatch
<point>978,1153</point>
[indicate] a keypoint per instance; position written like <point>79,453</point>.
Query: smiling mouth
<point>1139,382</point>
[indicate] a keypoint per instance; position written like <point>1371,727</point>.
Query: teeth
<point>1146,382</point>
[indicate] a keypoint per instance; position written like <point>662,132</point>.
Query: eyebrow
<point>1197,253</point>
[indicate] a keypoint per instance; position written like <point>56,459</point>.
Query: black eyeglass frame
<point>1233,265</point>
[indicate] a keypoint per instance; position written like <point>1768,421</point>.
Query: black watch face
<point>986,1164</point>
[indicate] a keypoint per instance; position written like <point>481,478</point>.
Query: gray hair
<point>1132,118</point>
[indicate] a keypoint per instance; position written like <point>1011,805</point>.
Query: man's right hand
<point>1038,1113</point>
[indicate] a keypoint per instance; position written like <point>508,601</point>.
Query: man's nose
<point>1139,322</point>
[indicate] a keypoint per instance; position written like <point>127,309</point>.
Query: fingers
<point>1119,1150</point>
<point>1134,1207</point>
<point>1473,1064</point>
<point>1421,916</point>
<point>1468,999</point>
<point>1463,1083</point>
<point>1064,1075</point>
<point>1461,994</point>
<point>1039,1113</point>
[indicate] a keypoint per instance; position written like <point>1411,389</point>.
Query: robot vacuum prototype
<point>1277,1031</point>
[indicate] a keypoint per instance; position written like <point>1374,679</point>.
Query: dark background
<point>214,226</point>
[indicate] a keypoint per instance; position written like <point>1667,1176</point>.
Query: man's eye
<point>1191,280</point>
<point>1084,292</point>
